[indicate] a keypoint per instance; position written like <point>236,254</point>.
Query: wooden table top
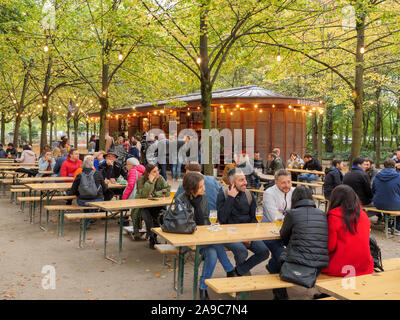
<point>116,205</point>
<point>62,185</point>
<point>14,173</point>
<point>375,286</point>
<point>306,171</point>
<point>13,167</point>
<point>229,233</point>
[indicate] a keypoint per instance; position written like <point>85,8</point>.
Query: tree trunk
<point>76,123</point>
<point>3,128</point>
<point>358,84</point>
<point>397,124</point>
<point>45,100</point>
<point>378,121</point>
<point>365,129</point>
<point>51,128</point>
<point>30,130</point>
<point>103,122</point>
<point>319,137</point>
<point>314,134</point>
<point>17,125</point>
<point>68,127</point>
<point>87,134</point>
<point>329,128</point>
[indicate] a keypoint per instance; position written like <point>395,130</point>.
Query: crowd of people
<point>308,236</point>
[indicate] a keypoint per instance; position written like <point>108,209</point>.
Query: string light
<point>362,50</point>
<point>278,58</point>
<point>198,60</point>
<point>237,106</point>
<point>290,107</point>
<point>221,106</point>
<point>273,106</point>
<point>256,106</point>
<point>46,48</point>
<point>120,56</point>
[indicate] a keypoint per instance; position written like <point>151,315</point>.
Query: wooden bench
<point>321,198</point>
<point>13,191</point>
<point>387,214</point>
<point>83,217</point>
<point>246,284</point>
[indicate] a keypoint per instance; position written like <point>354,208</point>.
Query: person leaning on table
<point>237,205</point>
<point>151,185</point>
<point>194,197</point>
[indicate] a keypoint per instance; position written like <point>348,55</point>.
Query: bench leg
<point>105,235</point>
<point>82,230</point>
<point>181,266</point>
<point>175,284</point>
<point>62,224</point>
<point>386,224</point>
<point>197,261</point>
<point>243,295</point>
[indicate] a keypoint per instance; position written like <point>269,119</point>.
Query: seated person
<point>358,179</point>
<point>258,162</point>
<point>333,177</point>
<point>237,205</point>
<point>386,190</point>
<point>46,163</point>
<point>194,197</point>
<point>295,162</point>
<point>98,158</point>
<point>252,178</point>
<point>349,230</point>
<point>11,151</point>
<point>111,169</point>
<point>59,162</point>
<point>72,163</point>
<point>369,168</point>
<point>305,232</point>
<point>310,163</point>
<point>211,184</point>
<point>273,164</point>
<point>151,184</point>
<point>27,155</point>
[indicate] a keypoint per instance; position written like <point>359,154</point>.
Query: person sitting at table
<point>27,155</point>
<point>3,154</point>
<point>228,167</point>
<point>258,161</point>
<point>252,178</point>
<point>369,168</point>
<point>277,152</point>
<point>135,171</point>
<point>236,204</point>
<point>386,191</point>
<point>349,231</point>
<point>211,184</point>
<point>70,165</point>
<point>194,197</point>
<point>151,185</point>
<point>11,151</point>
<point>304,232</point>
<point>46,163</point>
<point>358,179</point>
<point>295,162</point>
<point>89,185</point>
<point>98,158</point>
<point>80,169</point>
<point>310,163</point>
<point>56,153</point>
<point>134,151</point>
<point>45,149</point>
<point>333,177</point>
<point>111,169</point>
<point>59,162</point>
<point>276,200</point>
<point>274,163</point>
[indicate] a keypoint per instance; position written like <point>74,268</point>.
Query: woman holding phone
<point>151,185</point>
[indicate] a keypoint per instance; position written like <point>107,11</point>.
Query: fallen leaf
<point>101,270</point>
<point>163,277</point>
<point>174,296</point>
<point>157,275</point>
<point>147,270</point>
<point>20,275</point>
<point>57,279</point>
<point>11,240</point>
<point>88,291</point>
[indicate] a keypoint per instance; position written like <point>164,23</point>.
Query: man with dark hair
<point>386,190</point>
<point>310,163</point>
<point>11,151</point>
<point>236,204</point>
<point>358,179</point>
<point>59,162</point>
<point>258,161</point>
<point>71,163</point>
<point>397,160</point>
<point>3,154</point>
<point>333,177</point>
<point>369,167</point>
<point>274,163</point>
<point>210,183</point>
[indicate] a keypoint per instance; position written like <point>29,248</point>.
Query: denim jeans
<point>240,253</point>
<point>308,177</point>
<point>276,248</point>
<point>176,170</point>
<point>211,254</point>
<point>163,170</point>
<point>82,202</point>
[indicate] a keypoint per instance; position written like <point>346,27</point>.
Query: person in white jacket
<point>27,155</point>
<point>276,200</point>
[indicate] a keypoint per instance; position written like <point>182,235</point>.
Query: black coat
<point>98,179</point>
<point>333,177</point>
<point>358,179</point>
<point>313,164</point>
<point>305,234</point>
<point>113,171</point>
<point>236,210</point>
<point>200,216</point>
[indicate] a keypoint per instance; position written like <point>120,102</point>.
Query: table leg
<point>181,266</point>
<point>197,261</point>
<point>386,224</point>
<point>62,223</point>
<point>34,209</point>
<point>121,224</point>
<point>105,235</point>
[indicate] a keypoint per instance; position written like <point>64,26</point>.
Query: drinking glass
<point>278,223</point>
<point>259,215</point>
<point>213,219</point>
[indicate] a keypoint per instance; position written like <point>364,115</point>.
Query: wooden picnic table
<point>121,207</point>
<point>375,286</point>
<point>306,171</point>
<point>203,236</point>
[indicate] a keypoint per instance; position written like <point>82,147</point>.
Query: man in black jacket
<point>238,205</point>
<point>333,177</point>
<point>111,169</point>
<point>359,180</point>
<point>310,163</point>
<point>258,161</point>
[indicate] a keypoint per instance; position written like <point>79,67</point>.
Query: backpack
<point>87,186</point>
<point>376,254</point>
<point>247,193</point>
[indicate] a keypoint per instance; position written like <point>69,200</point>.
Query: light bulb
<point>362,50</point>
<point>46,48</point>
<point>278,58</point>
<point>120,56</point>
<point>198,60</point>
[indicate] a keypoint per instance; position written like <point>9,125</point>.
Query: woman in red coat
<point>348,244</point>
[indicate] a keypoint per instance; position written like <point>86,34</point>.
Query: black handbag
<point>298,274</point>
<point>178,218</point>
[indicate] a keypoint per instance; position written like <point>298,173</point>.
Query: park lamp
<point>279,58</point>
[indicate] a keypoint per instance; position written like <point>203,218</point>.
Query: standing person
<point>120,151</point>
<point>310,163</point>
<point>276,201</point>
<point>71,164</point>
<point>92,144</point>
<point>349,231</point>
<point>194,198</point>
<point>11,151</point>
<point>211,184</point>
<point>163,154</point>
<point>46,163</point>
<point>237,205</point>
<point>174,158</point>
<point>386,191</point>
<point>333,177</point>
<point>305,232</point>
<point>134,151</point>
<point>59,162</point>
<point>27,155</point>
<point>295,162</point>
<point>151,184</point>
<point>109,141</point>
<point>358,179</point>
<point>369,167</point>
<point>135,171</point>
